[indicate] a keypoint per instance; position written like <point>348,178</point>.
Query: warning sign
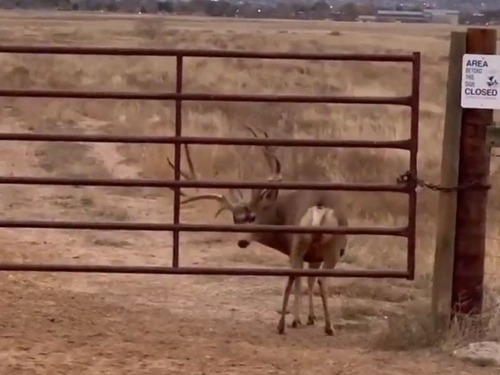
<point>480,81</point>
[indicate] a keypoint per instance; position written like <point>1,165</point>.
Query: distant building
<point>409,16</point>
<point>444,16</point>
<point>367,18</point>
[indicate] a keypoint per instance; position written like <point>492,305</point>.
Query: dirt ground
<point>126,324</point>
<point>138,325</point>
<point>180,326</point>
<point>103,324</point>
<point>129,324</point>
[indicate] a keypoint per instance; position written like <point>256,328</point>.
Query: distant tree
<point>365,9</point>
<point>299,8</point>
<point>166,6</point>
<point>320,9</point>
<point>43,4</point>
<point>283,10</point>
<point>193,6</point>
<point>320,6</point>
<point>464,18</point>
<point>247,10</point>
<point>349,10</point>
<point>492,16</point>
<point>111,7</point>
<point>182,7</point>
<point>221,8</point>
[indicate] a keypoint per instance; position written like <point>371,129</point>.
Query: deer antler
<point>224,203</point>
<point>270,155</point>
<point>235,195</point>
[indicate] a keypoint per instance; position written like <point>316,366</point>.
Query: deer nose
<point>251,217</point>
<point>242,244</point>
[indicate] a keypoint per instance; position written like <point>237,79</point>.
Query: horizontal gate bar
<point>403,144</point>
<point>62,181</point>
<point>123,51</point>
<point>124,95</point>
<point>157,270</point>
<point>157,227</point>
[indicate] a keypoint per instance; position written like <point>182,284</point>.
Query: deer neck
<point>277,241</point>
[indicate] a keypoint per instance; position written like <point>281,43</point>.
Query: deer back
<point>292,206</point>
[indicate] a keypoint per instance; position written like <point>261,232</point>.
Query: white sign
<point>480,81</point>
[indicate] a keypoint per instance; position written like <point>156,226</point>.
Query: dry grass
<point>413,328</point>
<point>222,119</point>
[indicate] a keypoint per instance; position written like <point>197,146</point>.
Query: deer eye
<point>268,194</point>
<point>265,194</point>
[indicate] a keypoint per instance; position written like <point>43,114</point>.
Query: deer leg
<point>297,263</point>
<point>329,263</point>
<point>311,318</point>
<point>286,297</point>
<point>323,289</point>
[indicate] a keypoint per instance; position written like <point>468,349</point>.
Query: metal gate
<point>408,187</point>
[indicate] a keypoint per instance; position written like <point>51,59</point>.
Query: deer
<point>269,206</point>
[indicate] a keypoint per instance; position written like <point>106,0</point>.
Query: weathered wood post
<point>460,240</point>
<point>480,94</point>
<point>447,206</point>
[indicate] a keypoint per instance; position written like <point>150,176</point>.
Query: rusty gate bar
<point>404,144</point>
<point>178,96</point>
<point>206,97</point>
<point>177,159</point>
<point>159,227</point>
<point>157,270</point>
<point>153,183</point>
<point>412,185</point>
<point>123,51</point>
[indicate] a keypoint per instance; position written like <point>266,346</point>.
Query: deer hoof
<point>329,331</point>
<point>281,327</point>
<point>296,323</point>
<point>311,319</point>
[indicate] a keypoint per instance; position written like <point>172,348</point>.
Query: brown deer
<point>300,207</point>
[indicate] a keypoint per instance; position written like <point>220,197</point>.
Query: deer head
<point>257,208</point>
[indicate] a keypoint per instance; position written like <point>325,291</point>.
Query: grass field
<point>97,324</point>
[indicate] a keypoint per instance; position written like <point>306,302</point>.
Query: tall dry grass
<point>258,77</point>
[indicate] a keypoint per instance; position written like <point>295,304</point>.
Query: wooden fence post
<point>468,270</point>
<point>447,207</point>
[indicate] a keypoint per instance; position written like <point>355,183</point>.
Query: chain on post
<point>408,179</point>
